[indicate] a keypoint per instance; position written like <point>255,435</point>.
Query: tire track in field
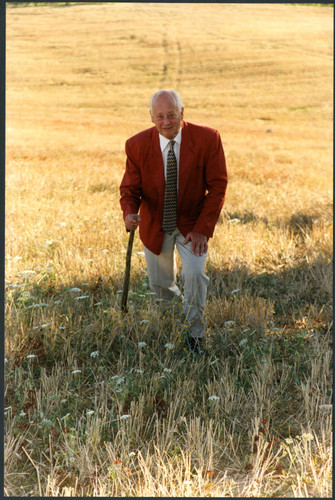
<point>172,69</point>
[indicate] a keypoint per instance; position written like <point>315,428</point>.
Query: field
<point>100,403</point>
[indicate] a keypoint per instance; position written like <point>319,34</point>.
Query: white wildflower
<point>81,297</point>
<point>22,414</point>
<point>289,441</point>
<point>75,289</point>
<point>45,325</point>
<point>242,342</point>
<point>144,321</point>
<point>213,398</point>
<point>76,371</point>
<point>62,327</point>
<point>34,306</point>
<point>125,417</point>
<point>89,412</point>
<point>167,370</point>
<point>326,407</point>
<point>139,371</point>
<point>141,344</point>
<point>6,360</point>
<point>57,302</point>
<point>307,437</point>
<point>121,379</point>
<point>235,291</point>
<point>169,346</point>
<point>95,354</point>
<point>31,356</point>
<point>26,272</point>
<point>132,454</point>
<point>229,323</point>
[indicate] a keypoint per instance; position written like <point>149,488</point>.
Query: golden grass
<point>79,79</point>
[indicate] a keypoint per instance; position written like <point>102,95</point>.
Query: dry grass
<point>253,417</point>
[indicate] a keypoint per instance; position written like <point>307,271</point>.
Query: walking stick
<point>127,273</point>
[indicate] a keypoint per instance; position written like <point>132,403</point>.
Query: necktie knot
<point>171,144</point>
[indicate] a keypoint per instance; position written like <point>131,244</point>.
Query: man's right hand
<point>132,221</point>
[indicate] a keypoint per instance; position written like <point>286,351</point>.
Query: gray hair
<point>172,93</point>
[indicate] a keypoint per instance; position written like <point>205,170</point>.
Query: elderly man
<point>176,177</point>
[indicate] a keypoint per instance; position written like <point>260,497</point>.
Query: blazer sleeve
<point>131,184</point>
<point>216,179</point>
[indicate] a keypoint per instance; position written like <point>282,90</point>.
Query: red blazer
<point>201,186</point>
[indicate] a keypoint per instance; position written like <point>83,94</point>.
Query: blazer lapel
<point>157,169</point>
<point>186,160</point>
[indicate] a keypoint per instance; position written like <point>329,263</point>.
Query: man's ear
<point>182,112</point>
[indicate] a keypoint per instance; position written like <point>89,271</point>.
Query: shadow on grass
<point>299,222</point>
<point>294,291</point>
<point>56,321</point>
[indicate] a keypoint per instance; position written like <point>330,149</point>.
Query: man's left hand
<point>199,244</point>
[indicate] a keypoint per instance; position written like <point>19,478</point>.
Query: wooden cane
<point>127,273</point>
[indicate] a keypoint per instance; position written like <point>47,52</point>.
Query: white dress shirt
<point>164,144</point>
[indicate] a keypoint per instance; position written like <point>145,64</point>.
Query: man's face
<point>166,117</point>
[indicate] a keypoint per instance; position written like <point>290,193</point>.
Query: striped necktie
<point>170,200</point>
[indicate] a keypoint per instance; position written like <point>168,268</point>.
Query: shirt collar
<point>164,141</point>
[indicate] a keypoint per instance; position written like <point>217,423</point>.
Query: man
<point>176,176</point>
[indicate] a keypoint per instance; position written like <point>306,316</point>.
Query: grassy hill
<point>96,404</point>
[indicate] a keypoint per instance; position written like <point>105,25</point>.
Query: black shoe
<point>195,345</point>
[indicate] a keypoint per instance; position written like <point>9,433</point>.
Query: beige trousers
<point>162,273</point>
